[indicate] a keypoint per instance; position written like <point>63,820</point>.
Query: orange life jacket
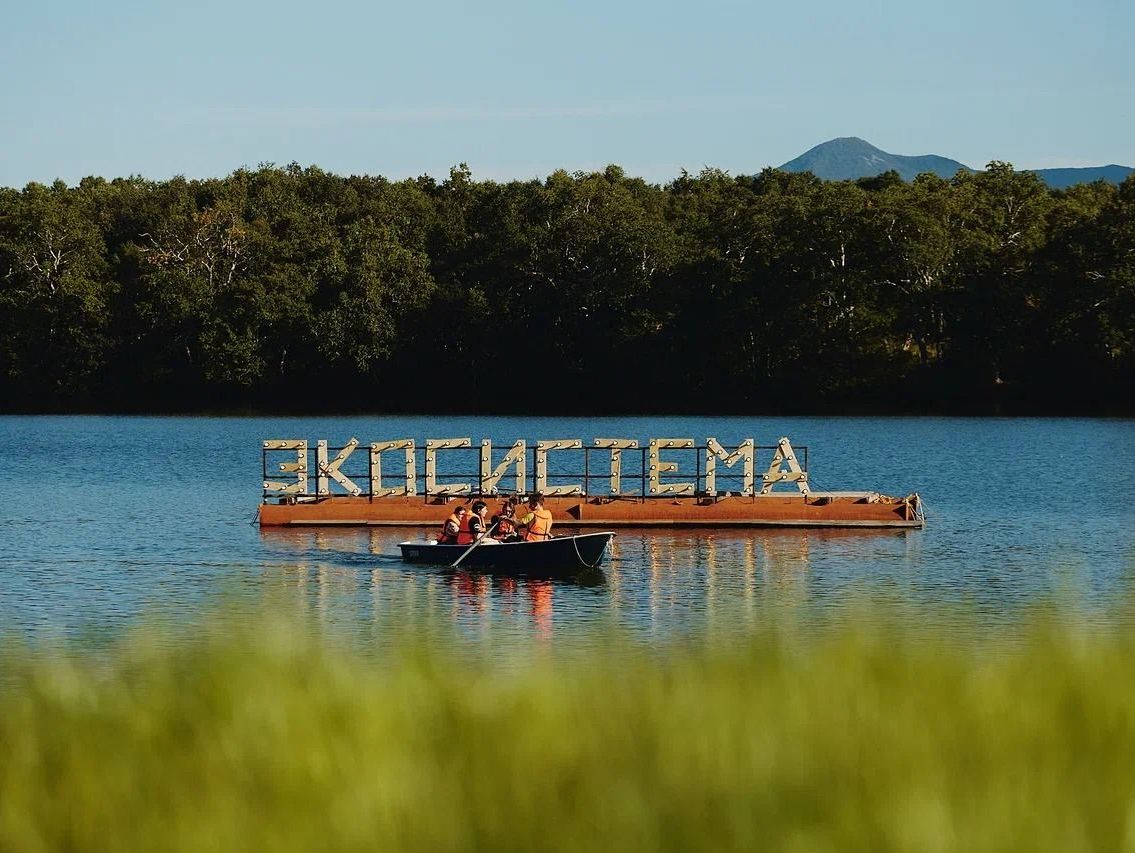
<point>505,527</point>
<point>540,527</point>
<point>450,530</point>
<point>465,535</point>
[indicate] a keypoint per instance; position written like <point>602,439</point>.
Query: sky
<point>520,89</point>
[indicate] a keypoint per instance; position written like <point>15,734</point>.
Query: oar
<point>474,545</point>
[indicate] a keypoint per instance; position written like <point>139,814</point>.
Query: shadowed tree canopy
<point>293,289</point>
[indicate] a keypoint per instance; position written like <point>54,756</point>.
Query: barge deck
<point>814,510</point>
<point>632,485</point>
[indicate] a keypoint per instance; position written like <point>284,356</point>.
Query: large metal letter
<point>542,448</point>
<point>432,446</point>
<point>794,474</point>
<point>714,451</point>
<point>617,445</point>
<point>325,469</point>
<point>376,450</point>
<point>491,476</point>
<point>658,467</point>
<point>299,467</point>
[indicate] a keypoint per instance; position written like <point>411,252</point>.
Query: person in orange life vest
<point>474,525</point>
<point>505,522</point>
<point>451,527</point>
<point>537,521</point>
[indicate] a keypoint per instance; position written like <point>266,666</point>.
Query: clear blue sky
<point>518,89</point>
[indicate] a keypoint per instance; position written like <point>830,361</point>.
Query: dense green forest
<point>292,289</point>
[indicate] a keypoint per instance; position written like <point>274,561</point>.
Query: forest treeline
<point>293,289</point>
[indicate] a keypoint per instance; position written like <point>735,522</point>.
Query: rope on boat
<point>579,556</point>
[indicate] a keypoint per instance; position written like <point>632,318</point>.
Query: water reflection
<point>661,582</point>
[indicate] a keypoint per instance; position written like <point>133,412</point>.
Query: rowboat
<point>561,555</point>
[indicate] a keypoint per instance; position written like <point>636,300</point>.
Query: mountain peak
<point>848,141</point>
<point>849,157</point>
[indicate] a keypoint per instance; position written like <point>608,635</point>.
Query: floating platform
<point>606,482</point>
<point>776,510</point>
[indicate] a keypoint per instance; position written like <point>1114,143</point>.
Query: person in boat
<point>475,524</point>
<point>451,527</point>
<point>505,521</point>
<point>537,522</point>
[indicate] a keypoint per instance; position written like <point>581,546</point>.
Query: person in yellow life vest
<point>537,522</point>
<point>451,527</point>
<point>473,525</point>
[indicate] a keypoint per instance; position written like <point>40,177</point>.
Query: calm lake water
<point>109,521</point>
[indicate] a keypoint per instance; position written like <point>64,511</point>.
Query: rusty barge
<point>606,483</point>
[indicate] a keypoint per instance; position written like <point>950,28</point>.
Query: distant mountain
<point>1060,179</point>
<point>849,158</point>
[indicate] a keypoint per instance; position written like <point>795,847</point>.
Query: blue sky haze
<point>517,90</point>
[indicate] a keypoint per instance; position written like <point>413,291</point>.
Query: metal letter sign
<point>617,446</point>
<point>491,476</point>
<point>542,448</point>
<point>659,467</point>
<point>656,473</point>
<point>325,469</point>
<point>299,467</point>
<point>714,451</point>
<point>794,474</point>
<point>433,445</point>
<point>410,474</point>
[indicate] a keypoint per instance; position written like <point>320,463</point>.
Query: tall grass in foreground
<point>265,739</point>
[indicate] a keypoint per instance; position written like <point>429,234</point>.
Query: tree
<point>54,292</point>
<point>1001,225</point>
<point>916,228</point>
<point>363,313</point>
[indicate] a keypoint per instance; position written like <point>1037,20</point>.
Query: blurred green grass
<point>867,736</point>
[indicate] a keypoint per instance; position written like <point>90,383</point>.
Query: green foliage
<point>381,281</point>
<point>713,293</point>
<point>864,738</point>
<point>54,290</point>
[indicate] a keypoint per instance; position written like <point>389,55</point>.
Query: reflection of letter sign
<point>658,467</point>
<point>542,448</point>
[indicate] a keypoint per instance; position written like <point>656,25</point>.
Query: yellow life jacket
<point>540,527</point>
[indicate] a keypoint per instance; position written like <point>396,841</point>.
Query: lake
<point>109,522</point>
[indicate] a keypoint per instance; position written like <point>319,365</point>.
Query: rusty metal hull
<point>777,510</point>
